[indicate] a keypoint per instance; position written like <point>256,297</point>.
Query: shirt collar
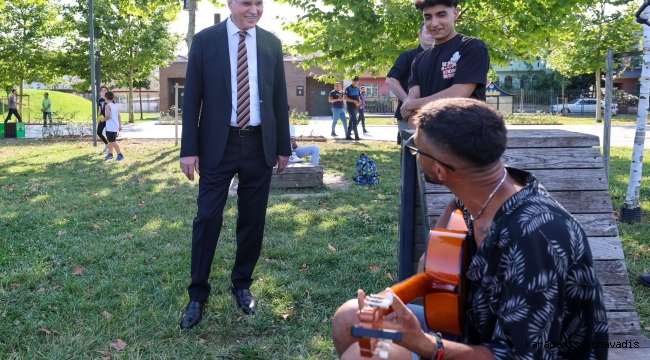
<point>234,30</point>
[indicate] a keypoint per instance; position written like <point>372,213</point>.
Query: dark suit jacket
<point>208,104</point>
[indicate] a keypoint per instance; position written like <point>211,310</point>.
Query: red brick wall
<point>175,73</point>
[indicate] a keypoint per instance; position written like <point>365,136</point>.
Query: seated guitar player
<point>533,289</point>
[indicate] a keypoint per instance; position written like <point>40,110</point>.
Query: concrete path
<point>322,126</point>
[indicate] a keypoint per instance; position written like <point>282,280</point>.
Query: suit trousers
<point>243,156</point>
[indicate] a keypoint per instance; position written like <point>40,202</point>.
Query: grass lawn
<point>65,106</point>
<point>96,251</point>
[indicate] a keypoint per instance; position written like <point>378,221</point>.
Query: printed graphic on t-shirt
<point>449,67</point>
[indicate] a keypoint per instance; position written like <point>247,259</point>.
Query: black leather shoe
<point>245,300</point>
<point>348,138</point>
<point>644,279</point>
<point>192,315</point>
<point>357,139</point>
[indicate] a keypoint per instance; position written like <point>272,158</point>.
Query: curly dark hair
<point>421,4</point>
<point>467,129</point>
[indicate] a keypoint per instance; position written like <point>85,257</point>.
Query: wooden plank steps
<point>570,167</point>
<point>298,175</point>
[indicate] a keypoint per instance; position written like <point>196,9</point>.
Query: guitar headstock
<point>373,340</point>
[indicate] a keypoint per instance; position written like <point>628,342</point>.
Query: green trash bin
<point>20,130</point>
<point>2,131</point>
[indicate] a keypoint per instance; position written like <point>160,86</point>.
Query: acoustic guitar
<point>443,284</point>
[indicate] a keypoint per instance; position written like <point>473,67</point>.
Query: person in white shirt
<point>302,151</point>
<point>113,125</point>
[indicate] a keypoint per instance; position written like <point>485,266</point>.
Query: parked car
<point>582,106</point>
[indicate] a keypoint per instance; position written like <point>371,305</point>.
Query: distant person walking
<point>101,110</point>
<point>362,109</point>
<point>336,99</point>
<point>113,125</point>
<point>13,109</point>
<point>47,109</point>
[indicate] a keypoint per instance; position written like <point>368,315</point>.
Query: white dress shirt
<point>251,53</point>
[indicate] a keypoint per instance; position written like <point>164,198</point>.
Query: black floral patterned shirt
<point>534,290</point>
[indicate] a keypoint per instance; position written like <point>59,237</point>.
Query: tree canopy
<point>350,37</point>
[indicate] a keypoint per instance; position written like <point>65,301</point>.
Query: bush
<point>299,118</point>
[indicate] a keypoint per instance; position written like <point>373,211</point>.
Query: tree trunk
<point>191,26</point>
<point>636,167</point>
<point>140,103</point>
<point>20,95</point>
<point>599,114</point>
<point>131,118</point>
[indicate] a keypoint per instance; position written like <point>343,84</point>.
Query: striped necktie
<point>243,89</point>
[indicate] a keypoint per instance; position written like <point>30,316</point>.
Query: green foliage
<point>350,37</point>
<point>28,29</point>
<point>65,107</point>
<point>583,49</point>
<point>299,118</point>
<point>135,39</point>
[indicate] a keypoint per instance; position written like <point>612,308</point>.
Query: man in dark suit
<point>235,121</point>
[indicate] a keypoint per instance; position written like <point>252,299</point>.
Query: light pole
<point>92,70</point>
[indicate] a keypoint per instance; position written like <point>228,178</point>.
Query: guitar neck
<point>412,288</point>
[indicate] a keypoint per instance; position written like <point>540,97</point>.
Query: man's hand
<point>281,162</point>
<point>120,128</point>
<point>403,320</point>
<point>294,144</point>
<point>406,114</point>
<point>188,165</point>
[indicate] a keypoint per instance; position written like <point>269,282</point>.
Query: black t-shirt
<point>401,71</point>
<point>101,103</point>
<point>336,95</point>
<point>461,60</point>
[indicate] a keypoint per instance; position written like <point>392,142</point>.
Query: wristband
<point>440,348</point>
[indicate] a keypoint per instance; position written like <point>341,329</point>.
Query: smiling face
<point>440,22</point>
<point>245,13</point>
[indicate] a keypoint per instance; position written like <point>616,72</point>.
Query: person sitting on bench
<point>302,151</point>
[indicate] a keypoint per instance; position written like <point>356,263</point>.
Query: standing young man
<point>398,76</point>
<point>101,106</point>
<point>113,125</point>
<point>235,80</point>
<point>336,99</point>
<point>47,109</point>
<point>13,108</point>
<point>351,97</point>
<point>456,66</point>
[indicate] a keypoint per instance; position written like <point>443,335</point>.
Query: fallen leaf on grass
<point>636,257</point>
<point>645,248</point>
<point>305,269</point>
<point>267,259</point>
<point>331,248</point>
<point>361,213</point>
<point>240,317</point>
<point>40,290</point>
<point>282,262</point>
<point>78,270</point>
<point>389,276</point>
<point>324,320</point>
<point>45,330</point>
<point>289,314</point>
<point>647,328</point>
<point>114,184</point>
<point>7,224</point>
<point>200,341</point>
<point>374,268</point>
<point>15,285</point>
<point>260,280</point>
<point>134,218</point>
<point>96,227</point>
<point>107,315</point>
<point>328,209</point>
<point>62,232</point>
<point>129,236</point>
<point>224,223</point>
<point>119,345</point>
<point>106,353</point>
<point>56,287</point>
<point>93,194</point>
<point>102,177</point>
